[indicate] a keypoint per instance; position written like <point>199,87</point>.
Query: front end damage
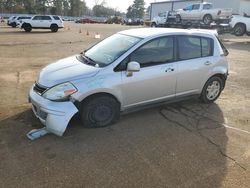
<point>55,116</point>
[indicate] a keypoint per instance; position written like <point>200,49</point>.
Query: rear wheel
<point>153,24</point>
<point>99,111</point>
<point>54,28</point>
<point>212,90</point>
<point>207,19</point>
<point>13,24</point>
<point>27,27</point>
<point>239,29</point>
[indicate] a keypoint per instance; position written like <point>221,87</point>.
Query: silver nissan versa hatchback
<point>130,69</point>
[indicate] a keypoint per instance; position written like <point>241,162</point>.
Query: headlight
<point>60,92</point>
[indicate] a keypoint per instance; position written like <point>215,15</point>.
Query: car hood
<point>65,70</point>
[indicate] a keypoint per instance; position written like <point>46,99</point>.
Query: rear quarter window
<point>56,17</point>
<point>207,47</point>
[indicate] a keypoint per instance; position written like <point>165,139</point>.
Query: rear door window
<point>37,18</point>
<point>196,7</point>
<point>207,6</point>
<point>46,18</point>
<point>191,47</point>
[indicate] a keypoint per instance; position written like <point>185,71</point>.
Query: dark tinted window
<point>207,47</point>
<point>46,18</point>
<point>157,51</point>
<point>207,6</point>
<point>191,47</point>
<point>24,17</point>
<point>56,17</point>
<point>37,18</point>
<point>196,7</point>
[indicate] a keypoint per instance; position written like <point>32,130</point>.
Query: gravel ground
<point>187,144</point>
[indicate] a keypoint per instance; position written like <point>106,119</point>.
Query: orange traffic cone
<point>80,30</point>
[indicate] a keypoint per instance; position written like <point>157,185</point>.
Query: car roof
<point>154,32</point>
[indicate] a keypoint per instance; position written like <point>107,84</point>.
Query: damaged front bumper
<point>55,116</point>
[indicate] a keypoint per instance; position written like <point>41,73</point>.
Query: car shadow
<point>173,145</point>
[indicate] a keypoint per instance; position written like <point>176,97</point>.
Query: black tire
<point>54,28</point>
<point>239,29</point>
<point>27,27</point>
<point>212,84</point>
<point>13,24</point>
<point>178,18</point>
<point>99,111</point>
<point>153,24</point>
<point>207,19</point>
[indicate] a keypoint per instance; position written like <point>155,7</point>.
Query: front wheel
<point>212,90</point>
<point>153,24</point>
<point>13,25</point>
<point>27,28</point>
<point>99,111</point>
<point>207,19</point>
<point>239,29</point>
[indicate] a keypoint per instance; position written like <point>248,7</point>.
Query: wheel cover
<point>207,19</point>
<point>101,113</point>
<point>238,30</point>
<point>213,90</point>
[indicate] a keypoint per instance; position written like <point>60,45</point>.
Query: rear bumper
<point>55,116</point>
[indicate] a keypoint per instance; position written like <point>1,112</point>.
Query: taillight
<point>219,12</point>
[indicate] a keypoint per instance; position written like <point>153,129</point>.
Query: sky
<point>120,5</point>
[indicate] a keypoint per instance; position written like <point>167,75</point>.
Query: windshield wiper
<point>89,60</point>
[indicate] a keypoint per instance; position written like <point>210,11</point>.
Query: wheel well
<point>53,25</point>
<point>240,23</point>
<point>26,24</point>
<point>221,76</point>
<point>90,97</point>
<point>207,15</point>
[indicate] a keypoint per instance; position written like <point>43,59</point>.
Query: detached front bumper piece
<point>55,116</point>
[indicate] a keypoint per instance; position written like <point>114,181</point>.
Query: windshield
<point>110,49</point>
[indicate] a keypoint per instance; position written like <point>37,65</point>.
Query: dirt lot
<point>188,144</point>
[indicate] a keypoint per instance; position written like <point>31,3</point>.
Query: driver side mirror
<point>132,66</point>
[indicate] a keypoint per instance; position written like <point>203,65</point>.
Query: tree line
<point>68,8</point>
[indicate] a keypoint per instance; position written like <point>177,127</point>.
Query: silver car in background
<point>128,70</point>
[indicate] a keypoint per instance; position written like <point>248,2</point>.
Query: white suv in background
<point>16,21</point>
<point>240,25</point>
<point>42,22</point>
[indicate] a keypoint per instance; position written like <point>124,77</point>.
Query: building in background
<point>238,6</point>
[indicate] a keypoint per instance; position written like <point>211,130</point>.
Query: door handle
<point>208,63</point>
<point>169,69</point>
